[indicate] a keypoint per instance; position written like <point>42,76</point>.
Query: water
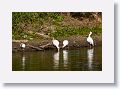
<point>82,59</point>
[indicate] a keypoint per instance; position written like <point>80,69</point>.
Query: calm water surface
<point>83,59</point>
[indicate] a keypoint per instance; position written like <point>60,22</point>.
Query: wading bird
<point>90,40</point>
<point>22,45</point>
<point>65,43</point>
<point>56,43</point>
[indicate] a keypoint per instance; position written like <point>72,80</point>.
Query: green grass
<point>69,31</point>
<point>48,23</point>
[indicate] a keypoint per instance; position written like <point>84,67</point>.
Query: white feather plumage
<point>22,45</point>
<point>65,43</point>
<point>56,43</point>
<point>90,40</point>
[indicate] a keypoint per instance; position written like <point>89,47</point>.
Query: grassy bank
<point>25,25</point>
<point>38,28</point>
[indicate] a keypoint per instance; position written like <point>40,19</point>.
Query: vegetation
<point>34,25</point>
<point>69,31</point>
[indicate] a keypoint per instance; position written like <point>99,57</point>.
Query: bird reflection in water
<point>65,58</point>
<point>90,58</point>
<point>56,60</point>
<point>23,61</point>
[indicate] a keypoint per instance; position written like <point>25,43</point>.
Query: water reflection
<point>65,58</point>
<point>23,61</point>
<point>56,60</point>
<point>82,59</point>
<point>90,58</point>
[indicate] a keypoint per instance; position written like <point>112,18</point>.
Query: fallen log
<point>46,45</point>
<point>37,48</point>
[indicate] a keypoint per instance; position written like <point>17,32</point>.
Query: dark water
<point>83,59</point>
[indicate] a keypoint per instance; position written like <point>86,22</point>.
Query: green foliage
<point>48,23</point>
<point>18,17</point>
<point>21,20</point>
<point>69,31</point>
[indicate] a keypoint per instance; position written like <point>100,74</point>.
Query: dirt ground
<point>74,42</point>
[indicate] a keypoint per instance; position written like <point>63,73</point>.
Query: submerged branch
<point>37,48</point>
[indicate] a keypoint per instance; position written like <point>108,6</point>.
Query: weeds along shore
<point>37,29</point>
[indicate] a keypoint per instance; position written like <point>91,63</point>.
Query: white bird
<point>90,40</point>
<point>65,43</point>
<point>22,45</point>
<point>56,43</point>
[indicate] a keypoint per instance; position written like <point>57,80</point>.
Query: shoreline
<point>74,42</point>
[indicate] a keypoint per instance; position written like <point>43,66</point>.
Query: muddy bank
<point>74,42</point>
